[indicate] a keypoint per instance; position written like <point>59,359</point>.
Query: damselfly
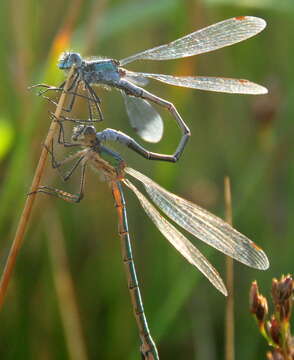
<point>143,117</point>
<point>192,218</point>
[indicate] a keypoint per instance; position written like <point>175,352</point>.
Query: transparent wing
<point>136,78</point>
<point>211,38</point>
<point>144,119</point>
<point>204,225</point>
<point>225,85</point>
<point>179,241</point>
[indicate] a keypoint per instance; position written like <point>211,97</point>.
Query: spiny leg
<point>66,196</point>
<point>69,197</point>
<point>59,88</point>
<point>52,88</point>
<point>148,348</point>
<point>46,88</point>
<point>93,105</point>
<point>93,101</point>
<point>61,134</point>
<point>73,94</point>
<point>58,164</point>
<point>63,119</point>
<point>72,91</point>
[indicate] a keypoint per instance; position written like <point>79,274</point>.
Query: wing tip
<point>149,138</point>
<point>218,284</point>
<point>251,88</point>
<point>261,90</point>
<point>262,261</point>
<point>224,291</point>
<point>266,264</point>
<point>254,19</point>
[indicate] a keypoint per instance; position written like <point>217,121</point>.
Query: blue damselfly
<point>143,117</point>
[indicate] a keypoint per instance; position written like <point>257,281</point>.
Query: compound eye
<point>64,61</point>
<point>75,59</point>
<point>89,130</point>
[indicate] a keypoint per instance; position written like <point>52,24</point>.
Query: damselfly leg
<point>192,218</point>
<point>93,101</point>
<point>113,175</point>
<point>144,119</point>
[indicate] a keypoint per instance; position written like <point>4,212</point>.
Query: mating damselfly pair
<point>192,218</point>
<point>143,117</point>
<point>148,124</point>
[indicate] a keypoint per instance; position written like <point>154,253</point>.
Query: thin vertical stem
<point>148,347</point>
<point>230,347</point>
<point>24,219</point>
<point>65,291</point>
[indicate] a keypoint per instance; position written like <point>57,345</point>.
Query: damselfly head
<point>84,134</point>
<point>68,59</point>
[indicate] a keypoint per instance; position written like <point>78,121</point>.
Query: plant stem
<point>230,347</point>
<point>24,219</point>
<point>64,287</point>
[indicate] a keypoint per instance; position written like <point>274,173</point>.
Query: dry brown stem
<point>24,219</point>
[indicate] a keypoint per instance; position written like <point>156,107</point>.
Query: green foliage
<point>6,137</point>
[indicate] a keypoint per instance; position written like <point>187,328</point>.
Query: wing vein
<point>179,241</point>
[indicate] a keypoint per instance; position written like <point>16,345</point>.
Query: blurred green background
<point>68,297</point>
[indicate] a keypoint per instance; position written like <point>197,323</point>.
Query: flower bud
<point>282,291</point>
<point>274,330</point>
<point>258,304</point>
